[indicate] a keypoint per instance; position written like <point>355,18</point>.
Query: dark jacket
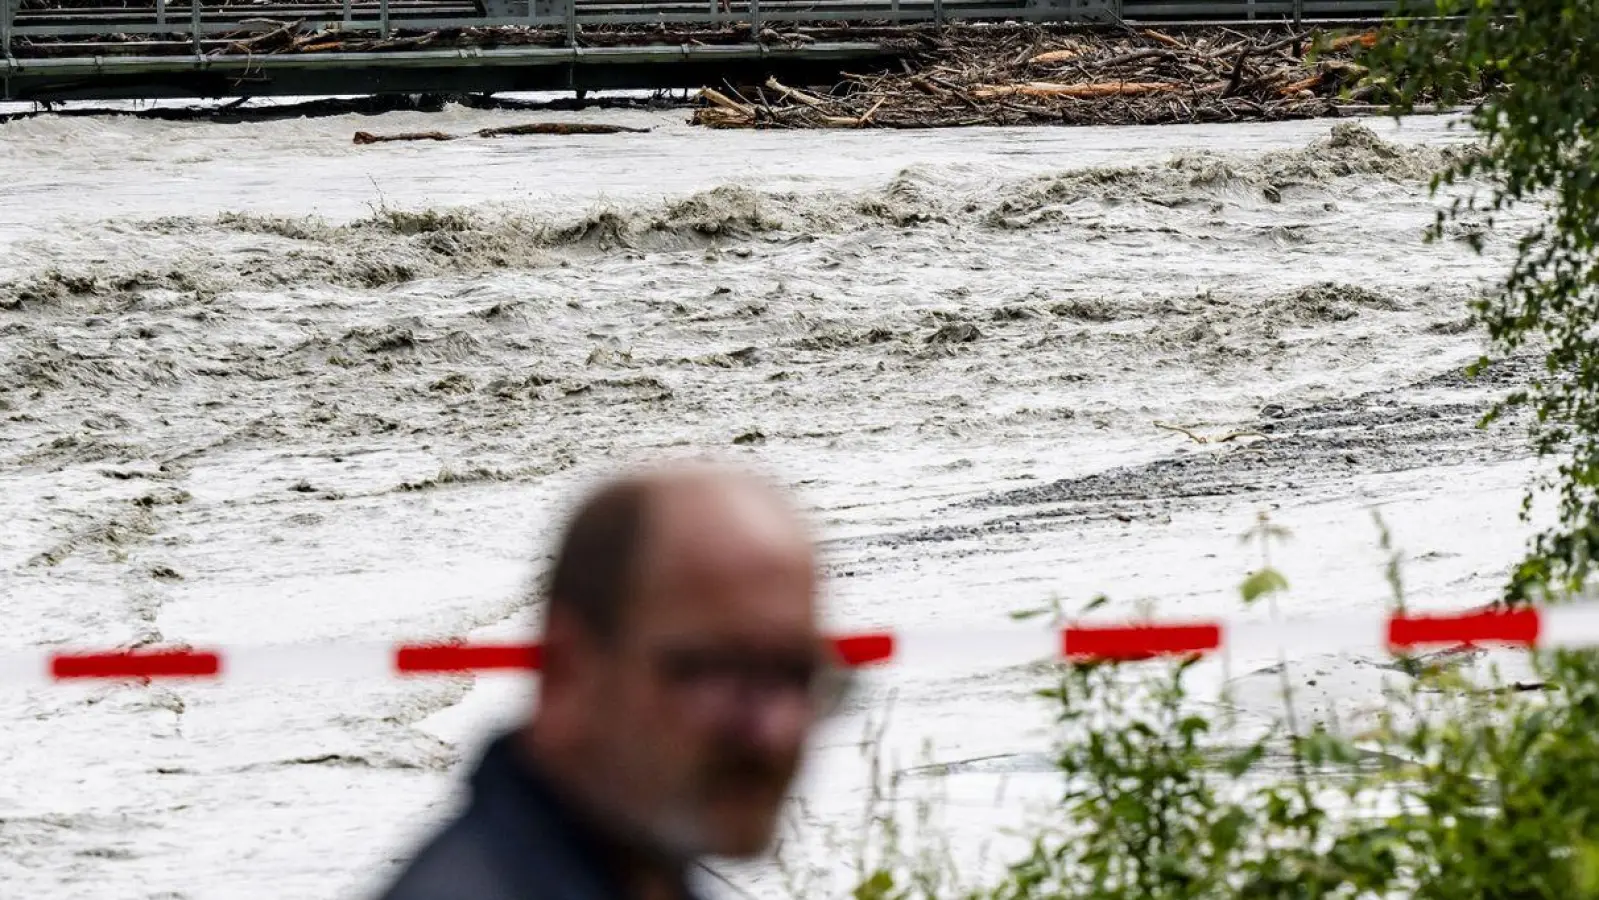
<point>516,840</point>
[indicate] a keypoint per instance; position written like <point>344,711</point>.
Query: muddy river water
<point>260,385</point>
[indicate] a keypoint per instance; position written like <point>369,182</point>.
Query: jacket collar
<point>539,838</point>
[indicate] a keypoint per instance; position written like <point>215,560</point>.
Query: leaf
<point>1585,862</point>
<point>878,887</point>
<point>1239,763</point>
<point>1261,583</point>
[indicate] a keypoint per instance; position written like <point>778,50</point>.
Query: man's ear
<point>563,649</point>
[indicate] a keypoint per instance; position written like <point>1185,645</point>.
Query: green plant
<point>1537,128</point>
<point>1160,806</point>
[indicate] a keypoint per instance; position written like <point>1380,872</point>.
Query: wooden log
<point>1051,89</point>
<point>1366,39</point>
<point>866,119</point>
<point>794,94</point>
<point>716,117</point>
<point>367,137</point>
<point>559,128</point>
<point>1290,41</point>
<point>264,39</point>
<point>1050,57</point>
<point>1227,51</point>
<point>1237,73</point>
<point>1294,87</point>
<point>726,102</point>
<point>1166,39</point>
<point>1135,56</point>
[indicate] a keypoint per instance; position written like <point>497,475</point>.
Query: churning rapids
<point>259,385</point>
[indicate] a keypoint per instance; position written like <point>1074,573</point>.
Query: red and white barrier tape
<point>1575,625</point>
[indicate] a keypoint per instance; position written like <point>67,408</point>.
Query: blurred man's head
<point>683,668</point>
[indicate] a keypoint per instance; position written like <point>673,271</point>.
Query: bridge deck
<point>84,49</point>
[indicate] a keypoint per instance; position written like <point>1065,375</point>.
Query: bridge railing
<point>194,22</point>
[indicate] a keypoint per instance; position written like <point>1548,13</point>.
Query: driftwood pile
<point>1039,75</point>
<point>291,37</point>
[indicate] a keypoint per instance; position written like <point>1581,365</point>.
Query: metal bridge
<point>147,49</point>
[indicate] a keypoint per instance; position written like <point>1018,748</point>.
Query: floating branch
<point>367,137</point>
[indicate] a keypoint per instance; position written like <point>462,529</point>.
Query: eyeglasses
<point>729,678</point>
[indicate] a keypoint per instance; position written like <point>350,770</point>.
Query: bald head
<point>665,524</point>
<point>682,660</point>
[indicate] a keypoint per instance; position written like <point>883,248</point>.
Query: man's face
<point>711,687</point>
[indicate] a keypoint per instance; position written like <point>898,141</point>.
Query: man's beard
<point>683,828</point>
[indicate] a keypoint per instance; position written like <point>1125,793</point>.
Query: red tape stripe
<point>1131,642</point>
<point>1519,626</point>
<point>137,664</point>
<point>433,658</point>
<point>1107,642</point>
<point>864,649</point>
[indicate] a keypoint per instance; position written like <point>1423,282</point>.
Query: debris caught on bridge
<point>1054,75</point>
